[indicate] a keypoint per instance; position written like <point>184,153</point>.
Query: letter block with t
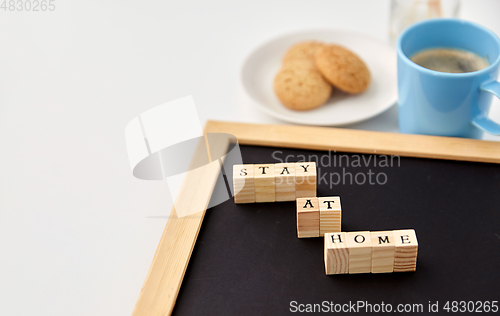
<point>330,215</point>
<point>307,217</point>
<point>336,253</point>
<point>264,183</point>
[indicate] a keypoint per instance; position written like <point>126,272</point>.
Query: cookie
<point>304,52</point>
<point>343,69</point>
<point>300,86</point>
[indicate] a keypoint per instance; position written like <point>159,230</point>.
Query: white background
<point>77,231</point>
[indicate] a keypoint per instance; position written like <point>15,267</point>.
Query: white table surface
<point>77,230</point>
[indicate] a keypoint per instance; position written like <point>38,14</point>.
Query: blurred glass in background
<point>406,12</point>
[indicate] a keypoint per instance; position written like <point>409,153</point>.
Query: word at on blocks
<point>375,252</point>
<point>273,182</point>
<point>317,216</point>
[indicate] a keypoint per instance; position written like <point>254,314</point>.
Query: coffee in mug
<point>449,60</point>
<point>443,103</point>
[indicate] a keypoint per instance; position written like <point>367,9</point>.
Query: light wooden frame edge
<point>165,275</point>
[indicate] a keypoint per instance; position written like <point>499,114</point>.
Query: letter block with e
<point>405,256</point>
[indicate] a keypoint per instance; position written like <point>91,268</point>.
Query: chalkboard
<point>248,260</point>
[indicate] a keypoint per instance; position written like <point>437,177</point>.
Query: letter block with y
<point>305,179</point>
<point>307,217</point>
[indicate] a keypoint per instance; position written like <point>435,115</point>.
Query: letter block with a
<point>285,181</point>
<point>307,217</point>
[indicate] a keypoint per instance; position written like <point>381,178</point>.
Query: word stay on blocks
<point>273,182</point>
<point>375,252</point>
<point>318,215</point>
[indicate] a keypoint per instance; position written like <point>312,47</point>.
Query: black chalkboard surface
<point>248,260</point>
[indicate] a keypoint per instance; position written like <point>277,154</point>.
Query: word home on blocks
<point>371,252</point>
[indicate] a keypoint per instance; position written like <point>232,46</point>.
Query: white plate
<point>262,65</point>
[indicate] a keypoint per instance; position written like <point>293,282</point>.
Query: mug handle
<point>481,120</point>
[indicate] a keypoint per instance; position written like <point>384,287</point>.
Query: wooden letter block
<point>264,183</point>
<point>336,253</point>
<point>243,183</point>
<point>375,252</point>
<point>330,215</point>
<point>305,179</point>
<point>285,181</point>
<point>383,244</point>
<point>307,217</point>
<point>405,256</point>
<point>360,252</point>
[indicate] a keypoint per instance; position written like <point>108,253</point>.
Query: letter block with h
<point>336,254</point>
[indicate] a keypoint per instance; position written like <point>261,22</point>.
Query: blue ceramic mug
<point>447,104</point>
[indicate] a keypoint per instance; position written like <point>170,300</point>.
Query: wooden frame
<point>164,279</point>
